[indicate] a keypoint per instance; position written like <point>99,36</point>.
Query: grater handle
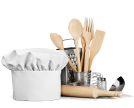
<point>68,39</point>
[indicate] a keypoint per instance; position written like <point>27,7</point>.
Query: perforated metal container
<point>67,74</point>
<point>90,79</point>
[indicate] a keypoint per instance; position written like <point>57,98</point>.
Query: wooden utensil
<point>92,36</point>
<point>83,52</point>
<point>90,92</point>
<point>58,42</point>
<point>92,29</point>
<point>75,29</point>
<point>96,45</point>
<point>87,36</point>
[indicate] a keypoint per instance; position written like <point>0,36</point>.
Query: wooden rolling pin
<point>90,92</point>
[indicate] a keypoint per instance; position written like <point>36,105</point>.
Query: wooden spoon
<point>96,45</point>
<point>83,52</point>
<point>58,42</point>
<point>75,28</point>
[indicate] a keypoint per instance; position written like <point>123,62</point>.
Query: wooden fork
<point>92,36</point>
<point>87,37</point>
<point>92,29</point>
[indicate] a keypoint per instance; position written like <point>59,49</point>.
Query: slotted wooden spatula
<point>96,45</point>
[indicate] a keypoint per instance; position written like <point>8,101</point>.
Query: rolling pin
<point>89,92</point>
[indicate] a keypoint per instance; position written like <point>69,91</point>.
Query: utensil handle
<point>90,92</point>
<point>90,62</point>
<point>70,63</point>
<point>68,39</point>
<point>77,54</point>
<point>92,30</point>
<point>82,59</point>
<point>109,93</point>
<point>86,62</point>
<point>83,52</point>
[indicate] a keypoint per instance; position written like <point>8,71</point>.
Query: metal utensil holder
<point>69,77</point>
<point>90,79</point>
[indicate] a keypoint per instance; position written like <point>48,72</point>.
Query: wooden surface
<point>96,45</point>
<point>83,52</point>
<point>77,54</point>
<point>86,60</point>
<point>57,40</point>
<point>75,29</point>
<point>92,30</point>
<point>89,92</point>
<point>87,36</point>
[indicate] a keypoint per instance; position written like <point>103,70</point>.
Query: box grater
<point>67,74</point>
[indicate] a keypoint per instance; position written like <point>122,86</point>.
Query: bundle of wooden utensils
<point>91,42</point>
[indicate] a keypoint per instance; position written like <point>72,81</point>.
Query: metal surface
<point>68,77</point>
<point>90,79</point>
<point>118,85</point>
<point>67,72</point>
<point>68,39</point>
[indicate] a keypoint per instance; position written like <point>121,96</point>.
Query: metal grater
<point>67,72</point>
<point>69,77</point>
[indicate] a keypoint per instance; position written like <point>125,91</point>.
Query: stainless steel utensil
<point>118,85</point>
<point>68,39</point>
<point>68,77</point>
<point>90,79</point>
<point>67,72</point>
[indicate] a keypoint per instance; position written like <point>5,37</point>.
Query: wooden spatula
<point>96,45</point>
